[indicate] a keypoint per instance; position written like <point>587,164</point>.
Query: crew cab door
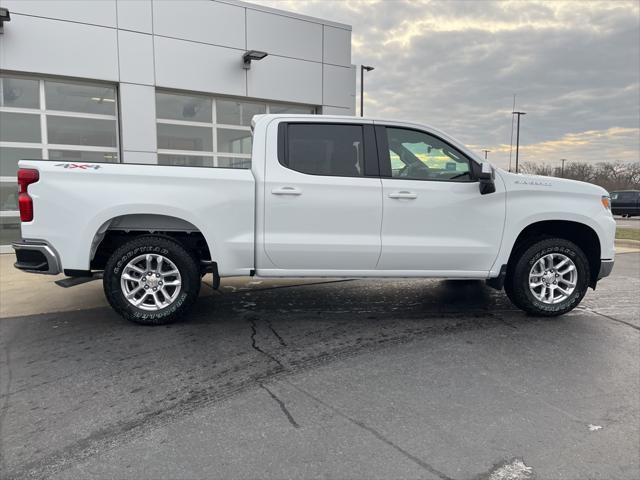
<point>323,198</point>
<point>435,218</point>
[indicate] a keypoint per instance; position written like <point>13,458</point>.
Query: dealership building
<point>163,82</point>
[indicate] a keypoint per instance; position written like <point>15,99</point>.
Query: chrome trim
<point>605,268</point>
<point>50,255</point>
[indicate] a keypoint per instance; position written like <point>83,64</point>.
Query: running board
<point>73,281</point>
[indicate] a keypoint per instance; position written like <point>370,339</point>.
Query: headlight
<point>606,202</point>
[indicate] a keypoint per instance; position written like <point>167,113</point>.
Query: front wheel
<point>548,278</point>
<point>151,280</point>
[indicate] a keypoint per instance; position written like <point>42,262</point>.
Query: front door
<point>322,212</point>
<point>435,218</point>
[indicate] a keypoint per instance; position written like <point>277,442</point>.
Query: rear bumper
<point>37,257</point>
<point>606,266</point>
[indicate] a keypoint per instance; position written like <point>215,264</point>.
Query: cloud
<point>615,144</point>
<point>574,67</point>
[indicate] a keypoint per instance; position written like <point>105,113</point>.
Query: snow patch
<point>515,470</point>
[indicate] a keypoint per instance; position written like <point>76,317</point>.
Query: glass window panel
<point>73,97</point>
<point>417,155</point>
<point>9,230</point>
<point>231,162</point>
<point>234,141</point>
<point>19,92</point>
<point>19,127</point>
<point>292,109</point>
<point>326,149</point>
<point>191,108</point>
<point>231,112</point>
<point>9,196</point>
<point>9,157</point>
<point>185,160</point>
<point>81,156</point>
<point>81,131</point>
<point>184,137</point>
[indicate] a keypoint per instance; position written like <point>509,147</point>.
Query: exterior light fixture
<point>362,69</point>
<point>4,17</point>
<point>252,55</point>
<point>519,114</point>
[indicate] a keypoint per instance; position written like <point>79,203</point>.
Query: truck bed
<point>76,202</point>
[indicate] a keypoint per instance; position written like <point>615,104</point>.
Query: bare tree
<point>611,176</point>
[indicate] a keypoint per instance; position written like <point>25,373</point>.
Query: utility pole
<point>362,69</point>
<point>562,168</point>
<point>485,153</point>
<point>519,114</point>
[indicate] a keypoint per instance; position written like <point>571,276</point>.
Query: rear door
<point>323,198</point>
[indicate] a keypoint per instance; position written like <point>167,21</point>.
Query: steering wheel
<point>417,169</point>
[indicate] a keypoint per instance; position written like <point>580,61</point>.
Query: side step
<point>69,282</point>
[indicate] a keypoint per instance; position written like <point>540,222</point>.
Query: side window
<point>324,149</point>
<point>627,197</point>
<point>417,155</point>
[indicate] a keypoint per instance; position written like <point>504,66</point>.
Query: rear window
<point>324,149</point>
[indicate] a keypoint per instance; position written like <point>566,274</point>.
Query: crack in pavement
<point>254,343</point>
<point>282,405</point>
<point>628,324</point>
<point>373,431</point>
<point>362,425</point>
<point>273,330</point>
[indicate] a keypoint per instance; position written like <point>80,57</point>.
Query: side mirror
<point>486,177</point>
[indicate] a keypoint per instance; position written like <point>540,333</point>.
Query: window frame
<point>385,158</point>
<point>369,155</point>
<point>43,113</point>
<point>214,125</point>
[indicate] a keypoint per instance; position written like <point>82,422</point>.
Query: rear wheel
<point>550,277</point>
<point>151,280</point>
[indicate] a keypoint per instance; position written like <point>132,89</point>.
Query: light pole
<point>362,69</point>
<point>562,168</point>
<point>519,114</point>
<point>485,153</point>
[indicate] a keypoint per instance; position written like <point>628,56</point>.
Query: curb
<point>627,243</point>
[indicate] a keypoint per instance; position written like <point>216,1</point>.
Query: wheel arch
<point>113,232</point>
<point>579,233</point>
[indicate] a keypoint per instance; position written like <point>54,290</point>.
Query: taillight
<point>26,176</point>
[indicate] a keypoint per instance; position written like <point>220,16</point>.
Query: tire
<point>535,254</point>
<point>164,302</point>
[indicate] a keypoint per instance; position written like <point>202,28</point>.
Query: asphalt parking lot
<point>334,379</point>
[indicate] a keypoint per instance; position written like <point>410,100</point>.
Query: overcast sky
<point>574,66</point>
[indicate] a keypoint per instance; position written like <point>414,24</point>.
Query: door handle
<point>286,191</point>
<point>404,194</point>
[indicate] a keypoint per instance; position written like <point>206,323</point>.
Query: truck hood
<point>516,182</point>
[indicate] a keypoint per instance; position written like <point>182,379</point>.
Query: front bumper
<point>36,258</point>
<point>605,268</point>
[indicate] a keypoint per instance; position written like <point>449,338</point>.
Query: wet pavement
<point>335,379</point>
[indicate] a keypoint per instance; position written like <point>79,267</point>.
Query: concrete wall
<point>184,45</point>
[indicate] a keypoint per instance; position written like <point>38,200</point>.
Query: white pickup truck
<point>325,196</point>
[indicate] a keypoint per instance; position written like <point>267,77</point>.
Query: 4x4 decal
<point>81,166</point>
